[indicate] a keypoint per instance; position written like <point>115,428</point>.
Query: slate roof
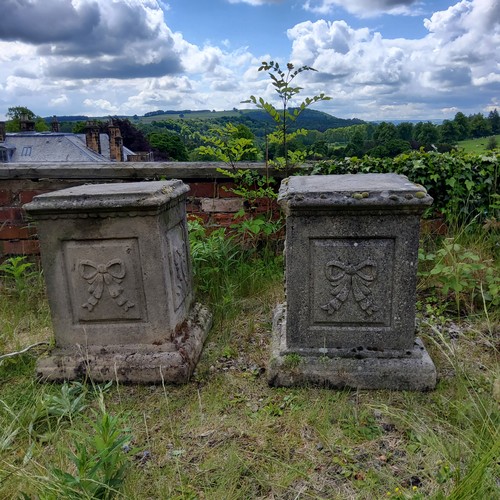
<point>40,147</point>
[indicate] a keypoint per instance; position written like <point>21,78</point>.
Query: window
<point>4,155</point>
<point>26,151</point>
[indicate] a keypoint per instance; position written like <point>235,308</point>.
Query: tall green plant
<point>283,83</point>
<point>18,271</point>
<point>225,270</point>
<point>459,272</point>
<point>99,461</point>
<point>225,144</point>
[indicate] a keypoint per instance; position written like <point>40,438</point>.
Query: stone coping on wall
<point>127,170</point>
<point>210,197</point>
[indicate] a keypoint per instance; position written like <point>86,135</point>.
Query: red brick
<point>12,232</point>
<point>27,196</point>
<point>261,204</point>
<point>21,247</point>
<point>11,214</point>
<point>203,189</point>
<point>222,219</point>
<point>204,217</point>
<point>433,226</point>
<point>193,208</point>
<point>5,198</point>
<point>225,190</point>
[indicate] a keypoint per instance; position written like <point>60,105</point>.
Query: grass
<point>24,311</point>
<point>200,115</point>
<point>227,434</point>
<point>477,145</point>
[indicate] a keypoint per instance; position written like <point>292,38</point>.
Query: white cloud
<point>100,105</point>
<point>88,39</point>
<point>364,8</point>
<point>121,57</point>
<point>60,100</point>
<point>256,2</point>
<point>358,67</point>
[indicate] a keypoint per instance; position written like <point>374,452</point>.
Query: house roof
<point>40,147</point>
<point>104,139</point>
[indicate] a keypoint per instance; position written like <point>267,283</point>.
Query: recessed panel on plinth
<point>351,282</point>
<point>105,280</point>
<point>180,274</point>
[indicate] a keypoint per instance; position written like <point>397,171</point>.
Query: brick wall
<point>210,197</point>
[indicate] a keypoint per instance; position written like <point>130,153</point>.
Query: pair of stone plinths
<point>117,266</point>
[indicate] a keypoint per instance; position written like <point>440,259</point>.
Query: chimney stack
<point>115,142</point>
<point>55,124</point>
<point>26,125</point>
<point>2,131</point>
<point>92,136</point>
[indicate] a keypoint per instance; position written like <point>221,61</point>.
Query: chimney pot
<point>55,126</point>
<point>115,142</point>
<point>92,138</point>
<point>26,125</point>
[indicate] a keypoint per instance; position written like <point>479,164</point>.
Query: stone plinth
<point>118,272</point>
<point>351,265</point>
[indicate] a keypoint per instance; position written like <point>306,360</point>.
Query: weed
<point>99,460</point>
<point>292,360</point>
<point>226,144</point>
<point>282,81</point>
<point>19,271</point>
<point>460,429</point>
<point>224,271</point>
<point>229,435</point>
<point>259,230</point>
<point>23,305</point>
<point>463,274</point>
<point>362,427</point>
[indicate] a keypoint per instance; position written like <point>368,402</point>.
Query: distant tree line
<point>173,139</point>
<point>388,140</point>
<point>179,139</point>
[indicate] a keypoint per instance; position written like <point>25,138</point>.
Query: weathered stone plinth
<point>351,263</point>
<point>118,272</point>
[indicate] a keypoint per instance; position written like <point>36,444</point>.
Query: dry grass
<point>227,434</point>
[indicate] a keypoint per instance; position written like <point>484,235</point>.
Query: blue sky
<point>264,27</point>
<point>377,59</point>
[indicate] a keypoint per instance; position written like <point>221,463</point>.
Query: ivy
<point>464,185</point>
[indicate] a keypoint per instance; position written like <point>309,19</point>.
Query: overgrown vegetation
<point>227,269</point>
<point>227,434</point>
<point>23,305</point>
<point>465,187</point>
<point>283,83</point>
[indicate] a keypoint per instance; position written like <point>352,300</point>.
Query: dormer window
<point>26,151</point>
<point>6,154</point>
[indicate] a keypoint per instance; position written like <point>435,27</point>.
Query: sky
<point>376,59</point>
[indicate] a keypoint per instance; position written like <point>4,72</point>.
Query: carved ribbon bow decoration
<point>346,277</point>
<point>99,276</point>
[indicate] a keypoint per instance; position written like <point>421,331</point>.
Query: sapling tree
<point>227,144</point>
<point>283,83</point>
